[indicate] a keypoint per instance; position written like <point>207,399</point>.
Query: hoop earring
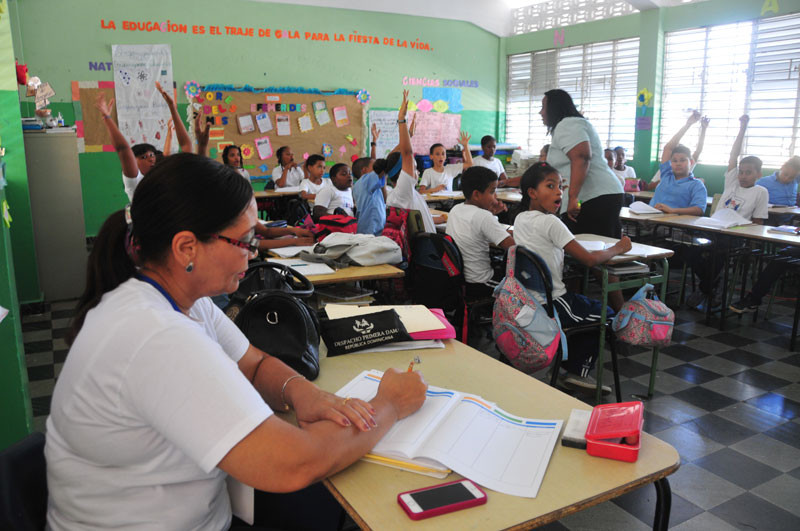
<point>190,267</point>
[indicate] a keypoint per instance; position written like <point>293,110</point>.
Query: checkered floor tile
<point>728,401</point>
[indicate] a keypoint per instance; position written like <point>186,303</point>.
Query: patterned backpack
<point>523,331</point>
<point>643,321</point>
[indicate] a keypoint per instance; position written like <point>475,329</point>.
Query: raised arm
<point>675,140</point>
<point>373,145</point>
<point>736,149</point>
<point>404,146</point>
<point>201,131</point>
<point>704,121</point>
<point>168,140</point>
<point>126,157</point>
<point>465,152</point>
<point>184,141</point>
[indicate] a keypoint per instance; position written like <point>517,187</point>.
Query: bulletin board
<point>260,121</point>
<point>91,131</point>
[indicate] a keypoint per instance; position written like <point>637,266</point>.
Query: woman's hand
<point>573,208</point>
<point>103,106</point>
<point>314,405</point>
<point>404,391</point>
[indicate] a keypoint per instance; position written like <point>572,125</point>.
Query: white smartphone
<point>441,499</point>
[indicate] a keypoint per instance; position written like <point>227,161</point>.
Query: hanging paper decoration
<point>192,89</point>
<point>644,97</point>
<point>342,150</point>
<point>327,150</point>
<point>440,106</point>
<point>247,151</point>
<point>363,96</point>
<point>424,105</point>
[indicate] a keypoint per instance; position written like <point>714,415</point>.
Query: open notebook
<point>467,434</point>
<point>641,208</point>
<point>723,218</point>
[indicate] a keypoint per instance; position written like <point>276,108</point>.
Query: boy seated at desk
<point>474,227</point>
<point>336,199</point>
<point>782,185</point>
<point>675,140</point>
<point>740,195</point>
<point>679,192</point>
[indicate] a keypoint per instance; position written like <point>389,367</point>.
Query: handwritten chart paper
<point>141,111</point>
<point>432,128</point>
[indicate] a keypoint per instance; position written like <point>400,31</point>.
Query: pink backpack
<point>522,329</point>
<point>644,321</point>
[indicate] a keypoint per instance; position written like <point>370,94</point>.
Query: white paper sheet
<point>292,250</point>
<point>639,207</point>
<point>304,268</point>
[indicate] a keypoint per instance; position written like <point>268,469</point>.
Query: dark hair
<point>141,149</point>
<point>559,106</point>
<point>430,151</point>
<point>335,169</point>
<point>391,162</point>
<point>476,178</point>
<point>279,154</point>
<point>752,159</point>
<point>380,166</point>
<point>159,155</point>
<point>227,151</point>
<point>183,192</point>
<point>359,166</point>
<point>620,147</point>
<point>313,159</point>
<point>532,177</point>
<point>545,148</point>
<point>486,139</point>
<point>680,148</point>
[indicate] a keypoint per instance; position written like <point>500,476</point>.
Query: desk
<point>646,196</point>
<point>434,198</point>
<point>795,211</point>
<point>356,273</point>
<point>509,195</point>
<point>271,194</point>
<point>646,253</point>
<point>574,480</point>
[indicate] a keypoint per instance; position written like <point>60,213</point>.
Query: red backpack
<point>397,228</point>
<point>330,223</point>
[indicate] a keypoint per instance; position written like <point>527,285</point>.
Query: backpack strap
<point>449,260</point>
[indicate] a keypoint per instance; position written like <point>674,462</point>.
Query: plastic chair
<point>533,273</point>
<point>23,485</point>
<point>457,183</point>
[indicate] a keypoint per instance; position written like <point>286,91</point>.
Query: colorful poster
<point>431,128</point>
<point>142,113</point>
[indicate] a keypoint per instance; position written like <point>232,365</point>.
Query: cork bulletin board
<point>91,132</point>
<point>260,121</point>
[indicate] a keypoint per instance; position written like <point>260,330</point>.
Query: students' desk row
<point>507,195</point>
<point>773,210</point>
<point>640,252</point>
<point>646,196</point>
<point>574,480</point>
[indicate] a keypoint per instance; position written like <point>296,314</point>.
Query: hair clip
<point>128,218</point>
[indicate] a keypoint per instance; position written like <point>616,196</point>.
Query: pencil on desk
<point>404,464</point>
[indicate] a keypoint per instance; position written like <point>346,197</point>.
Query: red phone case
<point>445,508</point>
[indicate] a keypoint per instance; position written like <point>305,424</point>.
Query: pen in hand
<point>416,360</point>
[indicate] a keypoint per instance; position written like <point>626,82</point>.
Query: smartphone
<point>441,499</point>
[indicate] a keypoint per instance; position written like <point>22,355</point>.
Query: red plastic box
<point>610,425</point>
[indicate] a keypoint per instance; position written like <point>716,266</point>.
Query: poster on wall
<point>431,128</point>
<point>141,111</point>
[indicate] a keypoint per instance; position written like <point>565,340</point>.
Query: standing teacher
<point>595,194</point>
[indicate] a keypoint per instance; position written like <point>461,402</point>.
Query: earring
<point>190,267</point>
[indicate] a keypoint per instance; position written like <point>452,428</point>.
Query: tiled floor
<point>729,402</point>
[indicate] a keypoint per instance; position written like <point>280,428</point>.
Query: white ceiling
<point>492,15</point>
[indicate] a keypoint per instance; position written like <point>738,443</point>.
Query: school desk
<point>435,198</point>
<point>357,273</point>
<point>646,196</point>
<point>271,194</point>
<point>644,253</point>
<point>509,195</point>
<point>574,480</point>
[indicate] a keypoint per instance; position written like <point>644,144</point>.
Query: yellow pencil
<point>405,464</point>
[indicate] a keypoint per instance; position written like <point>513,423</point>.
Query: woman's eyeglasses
<point>251,245</point>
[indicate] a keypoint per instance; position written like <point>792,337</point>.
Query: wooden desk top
<point>354,273</point>
<point>509,195</point>
<point>574,480</point>
<point>265,194</point>
<point>761,232</point>
<point>431,198</point>
<point>646,196</point>
<point>784,210</point>
<point>643,252</point>
<point>625,214</point>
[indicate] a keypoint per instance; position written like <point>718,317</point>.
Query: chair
<point>23,485</point>
<point>457,183</point>
<point>436,269</point>
<point>534,275</point>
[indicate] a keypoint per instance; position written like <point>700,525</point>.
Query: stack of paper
<point>638,207</point>
<point>723,218</point>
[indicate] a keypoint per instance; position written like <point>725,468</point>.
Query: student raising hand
<point>373,144</point>
<point>184,141</point>
<point>201,132</point>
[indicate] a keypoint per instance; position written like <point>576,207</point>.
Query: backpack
<point>266,308</point>
<point>397,228</point>
<point>644,321</point>
<point>330,223</point>
<point>523,331</point>
<point>296,211</point>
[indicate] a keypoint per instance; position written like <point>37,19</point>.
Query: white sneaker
<point>588,383</point>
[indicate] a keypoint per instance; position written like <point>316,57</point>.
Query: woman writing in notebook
<point>162,396</point>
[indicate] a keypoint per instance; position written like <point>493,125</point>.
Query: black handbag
<point>267,308</point>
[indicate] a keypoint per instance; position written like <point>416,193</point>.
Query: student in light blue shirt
<point>782,185</point>
<point>369,195</point>
<point>679,192</point>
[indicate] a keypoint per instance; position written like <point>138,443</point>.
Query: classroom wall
<point>650,27</point>
<point>15,406</point>
<point>456,50</point>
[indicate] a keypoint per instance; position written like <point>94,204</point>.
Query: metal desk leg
<point>603,317</point>
<point>663,505</point>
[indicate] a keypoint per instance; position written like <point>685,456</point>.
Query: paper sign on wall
<point>264,123</point>
<point>264,147</point>
<point>340,115</point>
<point>245,122</point>
<point>321,112</point>
<point>304,122</point>
<point>284,124</point>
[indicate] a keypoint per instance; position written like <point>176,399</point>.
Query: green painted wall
<point>459,50</point>
<point>650,27</point>
<point>15,405</point>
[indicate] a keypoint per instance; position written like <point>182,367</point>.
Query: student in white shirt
<point>474,227</point>
<point>338,196</point>
<point>539,229</point>
<point>287,172</point>
<point>232,156</point>
<point>314,182</point>
<point>611,160</point>
<point>625,172</point>
<point>161,396</point>
<point>440,177</point>
<point>488,160</point>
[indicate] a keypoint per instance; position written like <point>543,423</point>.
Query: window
<point>600,77</point>
<point>728,70</point>
<point>560,13</point>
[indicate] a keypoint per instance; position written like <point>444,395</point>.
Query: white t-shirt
<point>310,187</point>
<point>747,202</point>
<point>293,176</point>
<point>405,196</point>
<point>244,173</point>
<point>131,184</point>
<point>149,402</point>
<point>545,235</point>
<point>432,178</point>
<point>493,164</point>
<point>474,229</point>
<point>332,198</point>
<point>627,173</point>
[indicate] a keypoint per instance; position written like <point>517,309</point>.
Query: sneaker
<point>694,300</point>
<point>587,382</point>
<point>745,305</point>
